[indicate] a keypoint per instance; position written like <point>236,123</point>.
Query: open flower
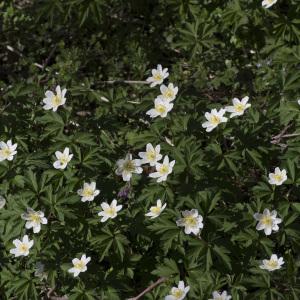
<point>109,211</point>
<point>53,101</point>
<point>22,247</point>
<point>214,118</point>
<point>7,150</point>
<point>272,264</point>
<point>155,211</point>
<point>220,296</point>
<point>34,219</point>
<point>278,177</point>
<point>169,92</point>
<point>191,221</point>
<point>163,170</point>
<point>178,293</point>
<point>79,265</point>
<point>158,76</point>
<point>63,158</point>
<point>268,3</point>
<point>151,155</point>
<point>88,192</point>
<point>239,107</point>
<point>161,108</point>
<point>128,166</point>
<point>267,221</point>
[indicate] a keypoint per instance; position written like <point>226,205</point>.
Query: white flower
<point>223,296</point>
<point>53,101</point>
<point>22,247</point>
<point>158,76</point>
<point>63,158</point>
<point>239,107</point>
<point>161,108</point>
<point>272,264</point>
<point>214,118</point>
<point>298,101</point>
<point>278,177</point>
<point>79,265</point>
<point>155,211</point>
<point>267,221</point>
<point>169,92</point>
<point>163,170</point>
<point>40,271</point>
<point>151,155</point>
<point>7,150</point>
<point>128,166</point>
<point>2,202</point>
<point>89,192</point>
<point>178,293</point>
<point>34,219</point>
<point>191,221</point>
<point>109,211</point>
<point>268,3</point>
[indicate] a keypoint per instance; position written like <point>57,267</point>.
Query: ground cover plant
<point>149,149</point>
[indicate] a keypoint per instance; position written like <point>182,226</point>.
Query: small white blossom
<point>88,192</point>
<point>169,92</point>
<point>163,170</point>
<point>220,296</point>
<point>178,293</point>
<point>268,3</point>
<point>7,150</point>
<point>267,221</point>
<point>63,158</point>
<point>161,108</point>
<point>109,211</point>
<point>53,101</point>
<point>40,271</point>
<point>155,211</point>
<point>2,202</point>
<point>272,264</point>
<point>239,107</point>
<point>278,177</point>
<point>151,156</point>
<point>22,247</point>
<point>34,219</point>
<point>214,118</point>
<point>191,221</point>
<point>79,265</point>
<point>158,76</point>
<point>128,166</point>
<point>298,101</point>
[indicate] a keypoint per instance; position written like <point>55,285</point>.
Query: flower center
<point>278,177</point>
<point>272,263</point>
<point>35,218</point>
<point>215,120</point>
<point>168,93</point>
<point>267,220</point>
<point>157,77</point>
<point>239,107</point>
<point>56,100</point>
<point>161,108</point>
<point>151,155</point>
<point>88,192</point>
<point>190,221</point>
<point>129,166</point>
<point>177,293</point>
<point>155,210</point>
<point>164,169</point>
<point>6,152</point>
<point>63,160</point>
<point>79,265</point>
<point>111,211</point>
<point>23,248</point>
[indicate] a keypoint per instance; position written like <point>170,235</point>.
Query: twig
<point>123,81</point>
<point>149,288</point>
<point>277,138</point>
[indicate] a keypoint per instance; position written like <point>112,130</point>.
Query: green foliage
<point>215,50</point>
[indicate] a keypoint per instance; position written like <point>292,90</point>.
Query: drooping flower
<point>161,108</point>
<point>124,192</point>
<point>109,211</point>
<point>163,170</point>
<point>128,166</point>
<point>155,211</point>
<point>79,265</point>
<point>151,156</point>
<point>169,92</point>
<point>220,296</point>
<point>22,247</point>
<point>239,107</point>
<point>267,221</point>
<point>7,150</point>
<point>63,158</point>
<point>40,271</point>
<point>268,3</point>
<point>158,76</point>
<point>272,264</point>
<point>88,192</point>
<point>34,219</point>
<point>191,221</point>
<point>53,101</point>
<point>278,177</point>
<point>178,293</point>
<point>2,202</point>
<point>214,118</point>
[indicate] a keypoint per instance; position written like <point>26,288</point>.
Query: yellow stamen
<point>267,220</point>
<point>239,107</point>
<point>35,218</point>
<point>151,155</point>
<point>177,293</point>
<point>56,100</point>
<point>215,120</point>
<point>161,108</point>
<point>23,248</point>
<point>79,265</point>
<point>164,169</point>
<point>272,263</point>
<point>155,209</point>
<point>190,221</point>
